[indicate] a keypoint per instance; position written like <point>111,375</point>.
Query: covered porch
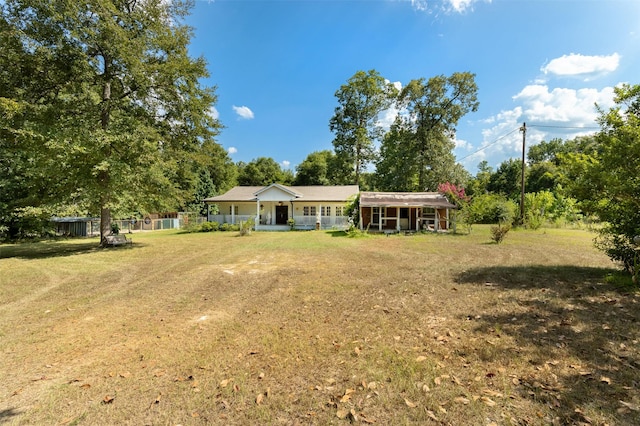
<point>398,211</point>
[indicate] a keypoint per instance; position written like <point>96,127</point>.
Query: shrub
<point>115,228</point>
<point>491,208</point>
<point>226,227</point>
<point>246,227</point>
<point>499,231</point>
<point>291,222</point>
<point>209,226</point>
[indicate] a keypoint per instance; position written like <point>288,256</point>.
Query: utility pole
<point>523,129</point>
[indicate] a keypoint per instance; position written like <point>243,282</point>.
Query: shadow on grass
<point>562,311</point>
<point>336,233</point>
<point>5,415</point>
<point>50,249</point>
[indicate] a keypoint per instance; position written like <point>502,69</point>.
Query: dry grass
<point>317,328</point>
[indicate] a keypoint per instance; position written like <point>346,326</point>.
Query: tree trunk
<point>105,223</point>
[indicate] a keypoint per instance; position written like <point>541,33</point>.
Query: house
<point>272,207</point>
<point>404,211</point>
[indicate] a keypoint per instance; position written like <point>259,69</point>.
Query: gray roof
<point>404,199</point>
<point>338,193</point>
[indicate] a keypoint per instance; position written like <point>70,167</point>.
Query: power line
<point>519,129</point>
<point>563,127</point>
<point>491,144</point>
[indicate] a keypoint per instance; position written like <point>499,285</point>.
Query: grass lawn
<point>318,328</point>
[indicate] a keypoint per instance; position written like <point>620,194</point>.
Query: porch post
<point>398,218</point>
<point>257,221</point>
<point>380,219</point>
<point>361,220</point>
<point>233,214</point>
<point>437,224</point>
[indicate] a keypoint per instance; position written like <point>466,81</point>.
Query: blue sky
<point>278,63</point>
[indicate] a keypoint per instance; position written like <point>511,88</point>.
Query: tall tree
<point>432,111</point>
<point>617,172</point>
<point>263,171</point>
<point>356,121</point>
<point>507,179</point>
<point>315,169</point>
<point>112,102</point>
<point>396,169</point>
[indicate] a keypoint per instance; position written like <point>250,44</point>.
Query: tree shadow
<point>556,312</point>
<point>5,415</point>
<point>51,249</point>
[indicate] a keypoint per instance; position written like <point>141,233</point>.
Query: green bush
<point>499,231</point>
<point>209,226</point>
<point>246,227</point>
<point>491,208</point>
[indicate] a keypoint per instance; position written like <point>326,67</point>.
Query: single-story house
<point>272,207</point>
<point>399,211</point>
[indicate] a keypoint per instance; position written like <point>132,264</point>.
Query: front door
<point>282,214</point>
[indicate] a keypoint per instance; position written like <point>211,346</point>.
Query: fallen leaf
<point>605,379</point>
<point>461,400</point>
<point>410,404</point>
<point>125,374</point>
<point>488,401</point>
<point>367,420</point>
<point>425,388</point>
<point>431,415</point>
<point>259,398</point>
<point>437,381</point>
<point>261,376</point>
<point>108,399</point>
<point>421,358</point>
<point>225,383</point>
<point>357,351</point>
<point>342,413</point>
<point>372,386</point>
<point>630,406</point>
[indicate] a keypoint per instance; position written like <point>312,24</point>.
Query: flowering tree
<point>455,194</point>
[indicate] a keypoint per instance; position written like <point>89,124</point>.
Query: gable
<point>276,192</point>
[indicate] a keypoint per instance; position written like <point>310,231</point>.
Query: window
<point>339,211</point>
<point>378,213</point>
<point>235,208</point>
<point>325,211</point>
<point>309,210</point>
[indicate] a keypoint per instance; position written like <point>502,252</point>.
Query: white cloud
<point>286,164</point>
<point>243,112</point>
<point>457,6</point>
<point>574,108</point>
<point>462,144</point>
<point>549,113</point>
<point>232,150</point>
<point>581,65</point>
<point>387,117</point>
<point>213,112</point>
